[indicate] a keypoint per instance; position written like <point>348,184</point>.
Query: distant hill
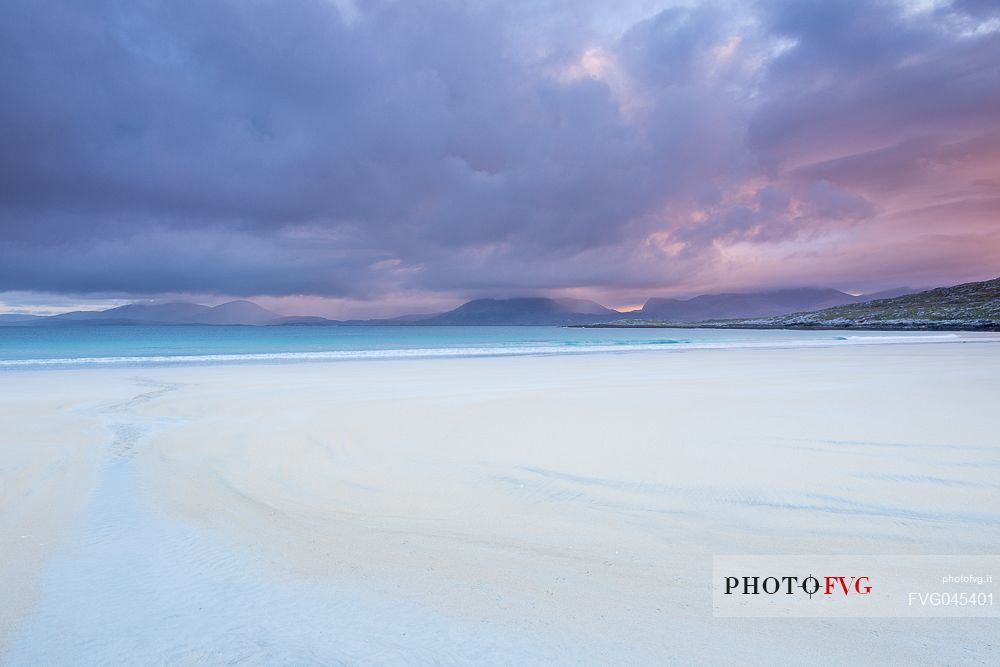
<point>177,312</point>
<point>173,312</point>
<point>966,306</point>
<point>529,311</point>
<point>235,312</point>
<point>17,317</point>
<point>524,311</point>
<point>758,304</point>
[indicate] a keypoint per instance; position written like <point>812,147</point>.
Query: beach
<point>527,509</point>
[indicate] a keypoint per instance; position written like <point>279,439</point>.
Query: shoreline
<point>550,349</point>
<point>804,327</point>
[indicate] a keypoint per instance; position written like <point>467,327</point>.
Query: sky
<point>358,159</point>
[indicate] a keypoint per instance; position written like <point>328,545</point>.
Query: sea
<point>31,347</point>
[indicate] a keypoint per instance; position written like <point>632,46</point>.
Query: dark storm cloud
<point>857,74</point>
<point>264,147</point>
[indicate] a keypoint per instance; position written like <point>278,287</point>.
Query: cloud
<point>362,150</point>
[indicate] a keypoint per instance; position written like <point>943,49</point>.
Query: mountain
<point>524,311</point>
<point>235,312</point>
<point>177,312</point>
<point>966,306</point>
<point>516,311</point>
<point>174,312</point>
<point>17,317</point>
<point>760,304</point>
<point>887,294</point>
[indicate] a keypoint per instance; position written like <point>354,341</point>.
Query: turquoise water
<point>28,347</point>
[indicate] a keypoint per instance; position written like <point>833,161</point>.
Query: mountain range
<point>177,312</point>
<point>760,304</point>
<point>966,307</point>
<point>525,311</point>
<point>514,311</point>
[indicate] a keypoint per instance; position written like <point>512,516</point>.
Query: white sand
<point>50,452</point>
<point>493,510</point>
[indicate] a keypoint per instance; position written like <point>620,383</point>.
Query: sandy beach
<point>518,510</point>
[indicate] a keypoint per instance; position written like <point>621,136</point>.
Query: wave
<point>567,347</point>
<point>330,355</point>
<point>920,337</point>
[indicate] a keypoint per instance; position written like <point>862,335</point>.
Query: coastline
<point>142,347</point>
<point>957,328</point>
